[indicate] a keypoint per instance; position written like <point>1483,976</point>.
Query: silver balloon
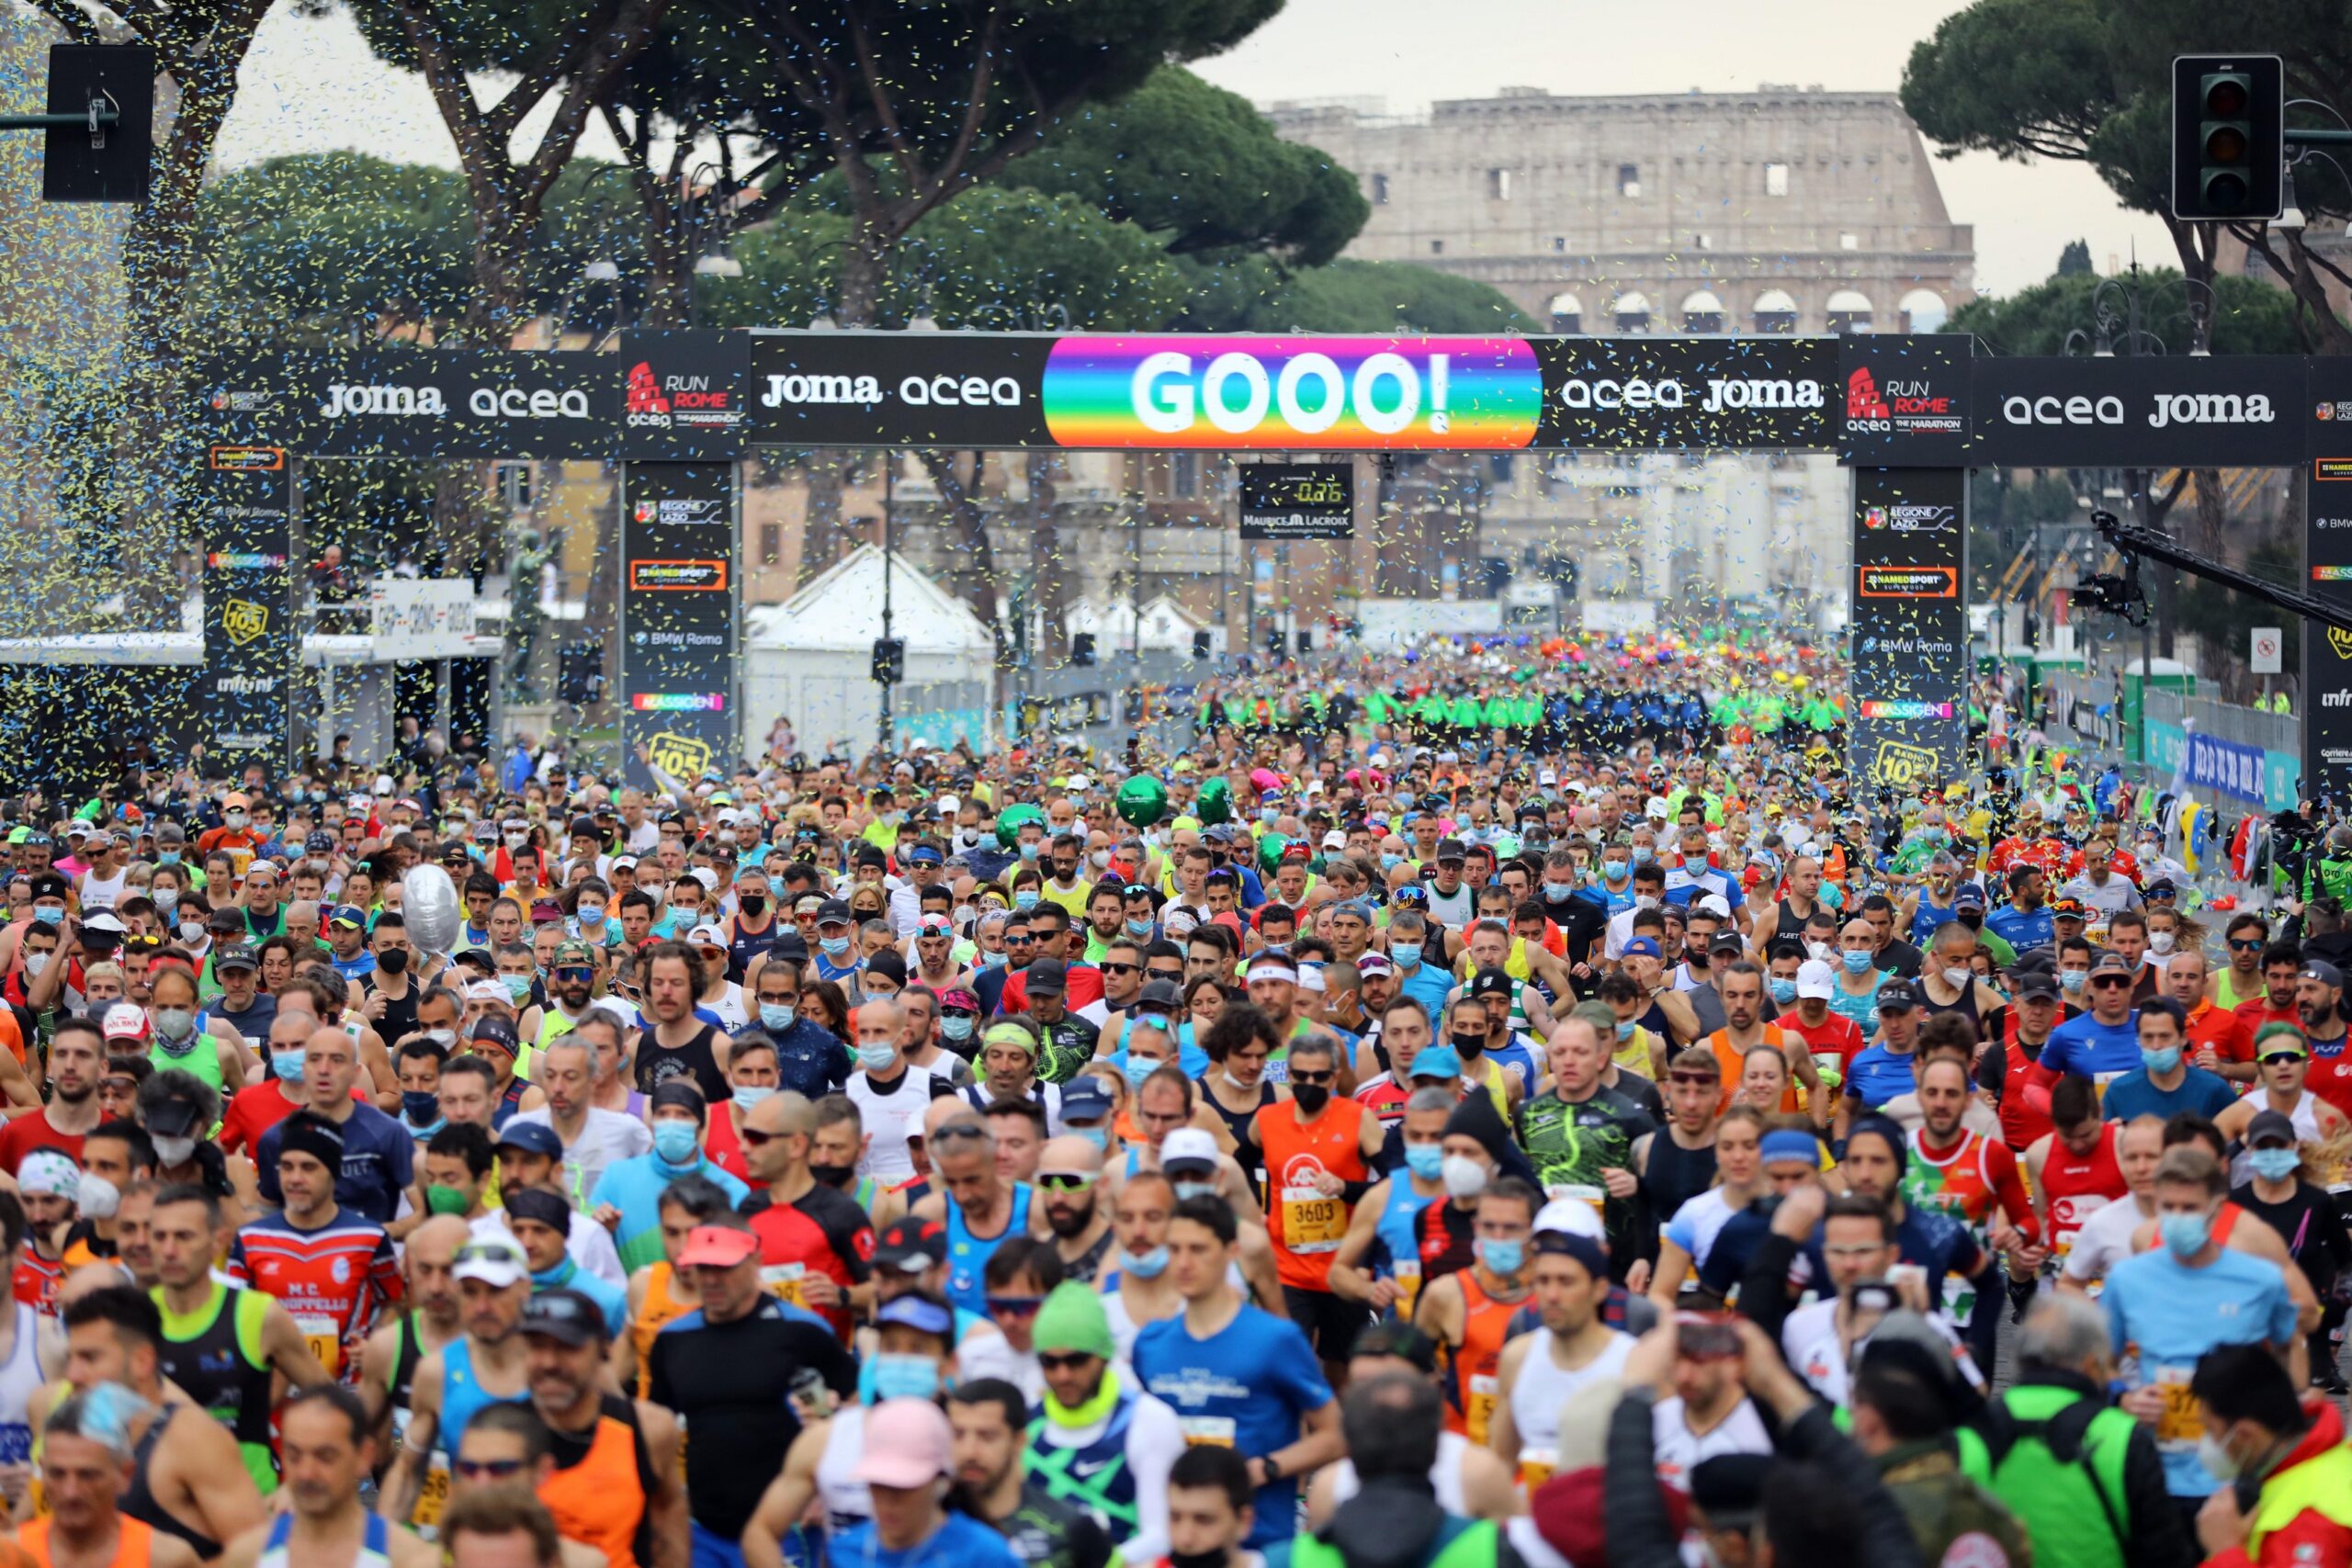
<point>429,905</point>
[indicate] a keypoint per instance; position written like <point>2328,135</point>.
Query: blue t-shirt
<point>1879,1074</point>
<point>1246,1386</point>
<point>2022,928</point>
<point>2171,1314</point>
<point>960,1540</point>
<point>1427,984</point>
<point>2208,1094</point>
<point>2084,1045</point>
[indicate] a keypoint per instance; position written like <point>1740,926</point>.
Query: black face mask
<point>1217,1559</point>
<point>1311,1098</point>
<point>833,1175</point>
<point>752,903</point>
<point>1468,1046</point>
<point>393,961</point>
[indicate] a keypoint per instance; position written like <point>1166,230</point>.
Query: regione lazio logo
<point>242,621</point>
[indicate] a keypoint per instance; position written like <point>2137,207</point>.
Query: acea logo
<point>1280,393</point>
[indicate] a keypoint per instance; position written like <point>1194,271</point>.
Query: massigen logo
<point>1272,393</point>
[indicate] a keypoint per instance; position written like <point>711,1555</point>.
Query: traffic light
<point>2228,137</point>
<point>107,163</point>
<point>889,660</point>
<point>1306,642</point>
<point>1131,707</point>
<point>1201,645</point>
<point>1081,648</point>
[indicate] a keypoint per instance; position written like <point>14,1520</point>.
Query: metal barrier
<point>1091,703</point>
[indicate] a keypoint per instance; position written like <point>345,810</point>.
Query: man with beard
<point>615,1485</point>
<point>322,1433</point>
<point>815,1242</point>
<point>1971,1177</point>
<point>1070,1177</point>
<point>388,1361</point>
<point>76,1061</point>
<point>1101,1442</point>
<point>2319,996</point>
<point>988,1417</point>
<point>594,1138</point>
<point>1537,1373</point>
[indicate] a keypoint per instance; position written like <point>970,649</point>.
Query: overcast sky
<point>311,86</point>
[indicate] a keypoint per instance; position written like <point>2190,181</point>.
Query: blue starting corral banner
<point>2224,767</point>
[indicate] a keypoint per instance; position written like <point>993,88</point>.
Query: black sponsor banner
<point>2326,418</point>
<point>416,403</point>
<point>1903,400</point>
<point>679,620</point>
<point>1297,501</point>
<point>245,690</point>
<point>2147,411</point>
<point>1678,393</point>
<point>684,394</point>
<point>899,389</point>
<point>1908,692</point>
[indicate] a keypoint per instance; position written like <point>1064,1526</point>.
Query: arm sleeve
<point>1154,1441</point>
<point>2008,1185</point>
<point>1993,1069</point>
<point>1886,1540</point>
<point>1632,1509</point>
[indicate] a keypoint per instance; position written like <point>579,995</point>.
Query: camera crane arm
<point>2122,594</point>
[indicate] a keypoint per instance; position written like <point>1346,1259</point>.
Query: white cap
<point>1335,840</point>
<point>703,875</point>
<point>708,934</point>
<point>1310,977</point>
<point>1654,806</point>
<point>949,804</point>
<point>1716,903</point>
<point>1188,1144</point>
<point>1080,782</point>
<point>1815,981</point>
<point>124,1021</point>
<point>1570,1216</point>
<point>1547,777</point>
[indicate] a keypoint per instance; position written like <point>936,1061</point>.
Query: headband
<point>1788,1142</point>
<point>1583,1248</point>
<point>1006,1032</point>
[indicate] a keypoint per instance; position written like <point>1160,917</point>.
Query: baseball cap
<point>496,1260</point>
<point>2068,909</point>
<point>1189,1147</point>
<point>908,1444</point>
<point>532,1138</point>
<point>2107,961</point>
<point>1442,1062</point>
<point>1969,896</point>
<point>911,1245</point>
<point>1049,975</point>
<point>125,1021</point>
<point>1450,848</point>
<point>350,915</point>
<point>919,1313</point>
<point>2036,984</point>
<point>1160,993</point>
<point>2269,1130</point>
<point>237,957</point>
<point>1726,940</point>
<point>1489,982</point>
<point>2162,884</point>
<point>1642,946</point>
<point>1897,996</point>
<point>1085,1100</point>
<point>833,911</point>
<point>1815,981</point>
<point>716,1247</point>
<point>318,841</point>
<point>565,1316</point>
<point>573,951</point>
<point>1375,964</point>
<point>2320,969</point>
<point>106,922</point>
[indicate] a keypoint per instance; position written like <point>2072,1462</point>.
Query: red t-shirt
<point>26,1134</point>
<point>2226,1030</point>
<point>723,1148</point>
<point>252,1111</point>
<point>823,1233</point>
<point>1833,1041</point>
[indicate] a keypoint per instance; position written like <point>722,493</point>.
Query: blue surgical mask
<point>1139,928</point>
<point>590,914</point>
<point>751,1095</point>
<point>877,1058</point>
<point>834,946</point>
<point>1642,855</point>
<point>2073,979</point>
<point>416,1104</point>
<point>1026,898</point>
<point>1501,1255</point>
<point>1425,1160</point>
<point>905,1377</point>
<point>1389,861</point>
<point>287,1065</point>
<point>992,960</point>
<point>2185,1234</point>
<point>1614,870</point>
<point>1137,1070</point>
<point>778,1017</point>
<point>519,988</point>
<point>1783,991</point>
<point>1150,1266</point>
<point>167,857</point>
<point>1029,851</point>
<point>1194,1190</point>
<point>1625,1028</point>
<point>1408,954</point>
<point>955,1026</point>
<point>2162,1061</point>
<point>48,915</point>
<point>1857,960</point>
<point>673,1141</point>
<point>2274,1165</point>
<point>1099,1136</point>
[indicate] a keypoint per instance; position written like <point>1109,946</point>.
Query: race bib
<point>1535,1467</point>
<point>432,1496</point>
<point>1478,1409</point>
<point>1312,1222</point>
<point>1596,1196</point>
<point>1406,1273</point>
<point>324,1335</point>
<point>1216,1431</point>
<point>784,1281</point>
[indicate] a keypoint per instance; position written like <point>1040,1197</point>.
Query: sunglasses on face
<point>2238,946</point>
<point>487,1470</point>
<point>1056,1360</point>
<point>1117,968</point>
<point>1323,1076</point>
<point>1014,1306</point>
<point>1691,1078</point>
<point>1064,1181</point>
<point>2109,982</point>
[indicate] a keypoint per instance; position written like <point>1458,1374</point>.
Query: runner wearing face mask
<point>1319,1152</point>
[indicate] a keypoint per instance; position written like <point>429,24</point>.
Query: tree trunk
<point>502,262</point>
<point>864,263</point>
<point>970,524</point>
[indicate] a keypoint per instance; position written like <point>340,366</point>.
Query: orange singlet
<point>135,1549</point>
<point>1474,1367</point>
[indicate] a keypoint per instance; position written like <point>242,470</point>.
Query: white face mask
<point>2160,942</point>
<point>1463,1176</point>
<point>1958,979</point>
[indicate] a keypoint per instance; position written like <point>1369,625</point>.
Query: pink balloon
<point>1263,779</point>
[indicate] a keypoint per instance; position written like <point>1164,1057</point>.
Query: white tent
<point>1166,628</point>
<point>810,659</point>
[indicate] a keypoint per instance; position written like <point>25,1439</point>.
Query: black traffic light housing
<point>889,660</point>
<point>1201,645</point>
<point>1081,648</point>
<point>110,162</point>
<point>2228,137</point>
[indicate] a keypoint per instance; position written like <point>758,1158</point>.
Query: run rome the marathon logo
<point>1898,406</point>
<point>678,401</point>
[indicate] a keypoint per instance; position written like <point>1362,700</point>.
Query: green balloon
<point>1143,800</point>
<point>1270,851</point>
<point>1009,821</point>
<point>1214,802</point>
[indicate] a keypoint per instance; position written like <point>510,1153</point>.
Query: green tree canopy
<point>2075,258</point>
<point>2249,316</point>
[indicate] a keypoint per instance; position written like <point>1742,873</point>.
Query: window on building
<point>1922,310</point>
<point>1776,179</point>
<point>1849,311</point>
<point>1703,241</point>
<point>771,543</point>
<point>1380,191</point>
<point>1497,185</point>
<point>1184,475</point>
<point>1702,311</point>
<point>1776,312</point>
<point>1632,312</point>
<point>1567,314</point>
<point>1849,241</point>
<point>1559,242</point>
<point>1629,179</point>
<point>1437,247</point>
<point>514,485</point>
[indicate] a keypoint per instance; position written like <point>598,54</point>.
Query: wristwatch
<point>1273,1467</point>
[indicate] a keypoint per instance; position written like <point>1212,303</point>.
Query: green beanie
<point>1072,1319</point>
